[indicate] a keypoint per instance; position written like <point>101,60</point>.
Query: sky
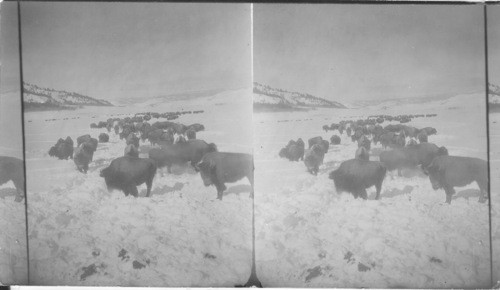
<point>136,50</point>
<point>368,52</point>
<point>494,44</point>
<point>10,96</point>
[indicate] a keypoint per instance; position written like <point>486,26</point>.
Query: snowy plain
<point>308,235</point>
<point>81,234</point>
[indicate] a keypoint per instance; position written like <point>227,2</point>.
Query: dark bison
<point>82,139</point>
<point>131,151</point>
<point>103,138</point>
<point>126,173</point>
<point>83,156</point>
<point>196,127</point>
<point>335,140</point>
<point>180,153</point>
<point>356,175</point>
<point>429,130</point>
<point>411,156</point>
<point>422,137</point>
<point>313,158</point>
<point>191,134</point>
<point>12,169</point>
<point>362,154</point>
<point>63,149</point>
<point>315,140</point>
<point>447,172</point>
<point>218,168</point>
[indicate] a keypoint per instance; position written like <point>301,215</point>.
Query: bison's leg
<point>449,193</point>
<point>149,184</point>
<point>220,189</point>
<point>378,186</point>
<point>482,192</point>
<point>133,190</point>
<point>362,193</point>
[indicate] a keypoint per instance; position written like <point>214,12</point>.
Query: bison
<point>82,139</point>
<point>335,140</point>
<point>315,140</point>
<point>63,149</point>
<point>447,172</point>
<point>356,175</point>
<point>103,138</point>
<point>12,169</point>
<point>132,139</point>
<point>127,172</point>
<point>83,156</point>
<point>313,158</point>
<point>180,153</point>
<point>217,168</point>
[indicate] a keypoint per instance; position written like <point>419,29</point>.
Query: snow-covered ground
<point>80,234</point>
<point>308,235</point>
<point>13,260</point>
<point>495,191</point>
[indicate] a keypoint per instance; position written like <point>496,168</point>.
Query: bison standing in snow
<point>356,175</point>
<point>63,149</point>
<point>180,153</point>
<point>12,169</point>
<point>83,156</point>
<point>335,140</point>
<point>313,158</point>
<point>218,168</point>
<point>447,172</point>
<point>103,138</point>
<point>126,173</point>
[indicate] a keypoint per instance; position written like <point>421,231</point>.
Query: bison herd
<point>172,144</point>
<point>405,147</point>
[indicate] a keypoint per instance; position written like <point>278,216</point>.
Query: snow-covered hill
<point>35,96</point>
<point>265,95</point>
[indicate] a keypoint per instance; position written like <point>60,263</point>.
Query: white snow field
<point>495,192</point>
<point>13,252</point>
<point>80,234</point>
<point>308,235</point>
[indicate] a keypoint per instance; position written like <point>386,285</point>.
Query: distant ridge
<point>39,98</point>
<point>267,98</point>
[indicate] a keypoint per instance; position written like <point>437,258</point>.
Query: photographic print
<point>13,251</point>
<point>493,12</point>
<point>371,146</point>
<point>138,121</point>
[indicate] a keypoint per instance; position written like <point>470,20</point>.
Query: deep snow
<point>80,234</point>
<point>308,235</point>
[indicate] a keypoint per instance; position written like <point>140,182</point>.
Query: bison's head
<point>207,172</point>
<point>432,172</point>
<point>212,148</point>
<point>442,151</point>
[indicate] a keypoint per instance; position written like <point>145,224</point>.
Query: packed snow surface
<point>495,191</point>
<point>80,234</point>
<point>308,235</point>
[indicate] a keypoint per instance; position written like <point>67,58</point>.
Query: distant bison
<point>335,140</point>
<point>362,154</point>
<point>429,130</point>
<point>63,149</point>
<point>132,139</point>
<point>83,156</point>
<point>190,151</point>
<point>218,168</point>
<point>356,175</point>
<point>13,169</point>
<point>131,151</point>
<point>447,172</point>
<point>103,138</point>
<point>411,156</point>
<point>196,127</point>
<point>126,173</point>
<point>313,158</point>
<point>315,140</point>
<point>191,134</point>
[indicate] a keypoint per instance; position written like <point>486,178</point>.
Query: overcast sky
<point>494,44</point>
<point>348,52</point>
<point>112,50</point>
